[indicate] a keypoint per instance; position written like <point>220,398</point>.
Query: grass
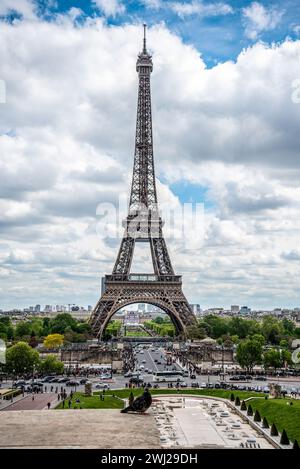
<point>283,415</point>
<point>137,334</point>
<point>93,402</point>
<point>124,393</point>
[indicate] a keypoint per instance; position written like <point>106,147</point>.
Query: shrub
<point>274,431</point>
<point>295,445</point>
<point>250,410</point>
<point>243,406</point>
<point>284,440</point>
<point>237,401</point>
<point>265,423</point>
<point>257,417</point>
<point>232,397</point>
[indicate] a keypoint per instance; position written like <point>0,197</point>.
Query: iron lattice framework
<point>143,224</point>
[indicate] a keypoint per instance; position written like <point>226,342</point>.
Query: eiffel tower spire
<point>143,188</point>
<point>143,224</point>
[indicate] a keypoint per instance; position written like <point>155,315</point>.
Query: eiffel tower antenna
<point>143,224</point>
<point>144,42</point>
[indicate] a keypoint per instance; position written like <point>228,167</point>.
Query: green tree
<point>51,365</point>
<point>272,358</point>
<point>195,332</point>
<point>36,325</point>
<point>23,329</point>
<point>21,358</point>
<point>296,445</point>
<point>284,440</point>
<point>249,352</point>
<point>6,328</point>
<point>272,330</point>
<point>257,417</point>
<point>274,431</point>
<point>243,406</point>
<point>61,322</point>
<point>286,358</point>
<point>218,326</point>
<point>159,320</point>
<point>288,326</point>
<point>265,423</point>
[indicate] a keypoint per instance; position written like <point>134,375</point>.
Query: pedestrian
<point>48,405</point>
<point>69,403</point>
<point>32,397</point>
<point>51,388</point>
<point>58,396</point>
<point>63,404</point>
<point>45,388</point>
<point>56,390</point>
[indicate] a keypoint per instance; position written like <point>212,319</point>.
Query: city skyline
<point>225,135</point>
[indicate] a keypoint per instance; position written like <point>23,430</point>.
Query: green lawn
<point>93,402</point>
<point>283,415</point>
<point>124,393</point>
<point>137,334</point>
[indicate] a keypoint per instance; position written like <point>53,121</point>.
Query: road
<point>149,357</point>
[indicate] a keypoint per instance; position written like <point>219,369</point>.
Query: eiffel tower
<point>143,224</point>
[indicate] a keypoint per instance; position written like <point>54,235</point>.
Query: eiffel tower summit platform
<point>143,224</point>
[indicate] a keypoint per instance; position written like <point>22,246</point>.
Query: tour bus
<point>168,376</point>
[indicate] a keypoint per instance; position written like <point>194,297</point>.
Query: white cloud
<point>66,142</point>
<point>24,7</point>
<point>296,29</point>
<point>153,4</point>
<point>258,18</point>
<point>110,7</point>
<point>197,7</point>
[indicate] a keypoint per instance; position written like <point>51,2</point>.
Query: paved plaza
<point>171,422</point>
<point>39,402</point>
<point>186,422</point>
<point>84,428</point>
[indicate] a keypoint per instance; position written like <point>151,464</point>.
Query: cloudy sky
<point>226,110</point>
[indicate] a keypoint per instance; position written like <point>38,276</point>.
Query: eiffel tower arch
<point>143,224</point>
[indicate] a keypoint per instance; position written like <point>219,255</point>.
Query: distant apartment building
<point>234,308</point>
<point>196,309</point>
<point>245,310</point>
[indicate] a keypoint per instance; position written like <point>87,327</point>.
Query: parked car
<point>128,374</point>
<point>203,385</point>
<point>193,376</point>
<point>62,380</point>
<point>102,386</point>
<point>194,384</point>
<point>84,381</point>
<point>183,384</point>
<point>72,382</point>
